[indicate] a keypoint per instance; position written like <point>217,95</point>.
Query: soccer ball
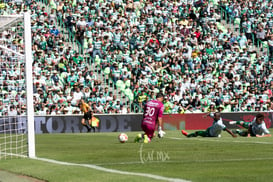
<point>122,138</point>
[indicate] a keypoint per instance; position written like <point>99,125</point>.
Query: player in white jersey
<point>256,127</point>
<point>213,131</point>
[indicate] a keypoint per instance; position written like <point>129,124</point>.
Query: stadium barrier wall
<point>125,123</point>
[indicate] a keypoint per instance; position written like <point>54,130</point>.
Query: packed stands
<point>117,54</point>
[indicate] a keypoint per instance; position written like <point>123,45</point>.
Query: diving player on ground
<point>255,128</point>
<point>213,131</point>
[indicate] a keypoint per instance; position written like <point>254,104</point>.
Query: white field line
<point>190,161</point>
<point>219,140</point>
<point>114,170</point>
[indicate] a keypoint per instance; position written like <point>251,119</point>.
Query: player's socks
<point>201,133</point>
<point>191,135</point>
<point>246,125</point>
<point>88,128</point>
<point>233,122</point>
<point>138,138</point>
<point>184,132</point>
<point>146,139</point>
<point>241,123</point>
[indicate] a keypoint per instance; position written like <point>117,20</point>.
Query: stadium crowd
<point>181,48</point>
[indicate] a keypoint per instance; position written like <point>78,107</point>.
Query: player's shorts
<point>87,115</point>
<point>246,125</point>
<point>251,132</point>
<point>245,133</point>
<point>149,131</point>
<point>207,133</point>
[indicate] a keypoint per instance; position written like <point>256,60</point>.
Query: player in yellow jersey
<point>86,119</point>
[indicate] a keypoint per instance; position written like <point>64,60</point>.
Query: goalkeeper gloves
<point>161,133</point>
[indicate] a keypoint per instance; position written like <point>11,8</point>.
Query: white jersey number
<point>149,111</point>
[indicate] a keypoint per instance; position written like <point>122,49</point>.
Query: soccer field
<point>100,157</point>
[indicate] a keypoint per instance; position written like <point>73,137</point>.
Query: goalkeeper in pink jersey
<point>152,117</point>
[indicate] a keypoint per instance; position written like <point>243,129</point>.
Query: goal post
<point>17,126</point>
<point>29,85</point>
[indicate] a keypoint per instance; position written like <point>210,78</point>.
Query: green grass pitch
<point>224,159</point>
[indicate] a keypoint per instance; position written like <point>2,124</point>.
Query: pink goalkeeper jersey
<point>152,111</point>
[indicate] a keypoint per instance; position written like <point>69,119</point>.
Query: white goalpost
<point>17,130</point>
<point>29,85</point>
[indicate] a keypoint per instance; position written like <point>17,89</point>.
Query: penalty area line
<point>113,170</point>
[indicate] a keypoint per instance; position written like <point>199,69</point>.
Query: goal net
<point>16,88</point>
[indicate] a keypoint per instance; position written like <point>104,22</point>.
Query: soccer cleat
<point>138,138</point>
<point>232,122</point>
<point>184,132</point>
<point>146,139</point>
